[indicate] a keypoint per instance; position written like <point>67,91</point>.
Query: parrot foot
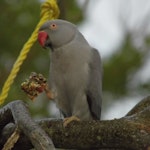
<point>50,94</point>
<point>69,120</point>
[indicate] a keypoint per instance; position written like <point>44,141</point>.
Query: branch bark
<point>129,132</point>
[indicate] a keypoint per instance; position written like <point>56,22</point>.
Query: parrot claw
<point>69,120</point>
<point>50,94</point>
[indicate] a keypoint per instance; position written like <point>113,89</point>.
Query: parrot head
<point>56,33</point>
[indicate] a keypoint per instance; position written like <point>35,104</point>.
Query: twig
<point>12,140</point>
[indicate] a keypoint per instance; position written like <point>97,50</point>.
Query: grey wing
<point>94,89</point>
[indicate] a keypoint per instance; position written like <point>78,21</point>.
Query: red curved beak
<point>42,37</point>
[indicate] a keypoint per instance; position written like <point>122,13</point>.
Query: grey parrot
<point>75,70</point>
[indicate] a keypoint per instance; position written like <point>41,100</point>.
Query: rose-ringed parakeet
<point>75,70</point>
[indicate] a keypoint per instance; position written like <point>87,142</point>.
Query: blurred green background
<point>17,21</point>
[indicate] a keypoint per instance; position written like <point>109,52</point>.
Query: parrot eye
<point>53,26</point>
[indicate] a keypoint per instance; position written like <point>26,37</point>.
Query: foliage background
<point>17,21</point>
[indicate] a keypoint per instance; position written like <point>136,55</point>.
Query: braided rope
<point>49,10</point>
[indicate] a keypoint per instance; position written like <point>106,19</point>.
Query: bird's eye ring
<point>53,26</point>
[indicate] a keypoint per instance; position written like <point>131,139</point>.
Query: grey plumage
<point>75,70</point>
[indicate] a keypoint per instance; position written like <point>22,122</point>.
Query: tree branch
<point>140,106</point>
<point>129,132</point>
<point>24,122</point>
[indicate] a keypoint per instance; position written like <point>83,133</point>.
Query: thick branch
<point>129,132</point>
<point>119,133</point>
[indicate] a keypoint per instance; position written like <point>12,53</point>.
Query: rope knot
<point>49,9</point>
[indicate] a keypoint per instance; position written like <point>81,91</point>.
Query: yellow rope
<point>49,10</point>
